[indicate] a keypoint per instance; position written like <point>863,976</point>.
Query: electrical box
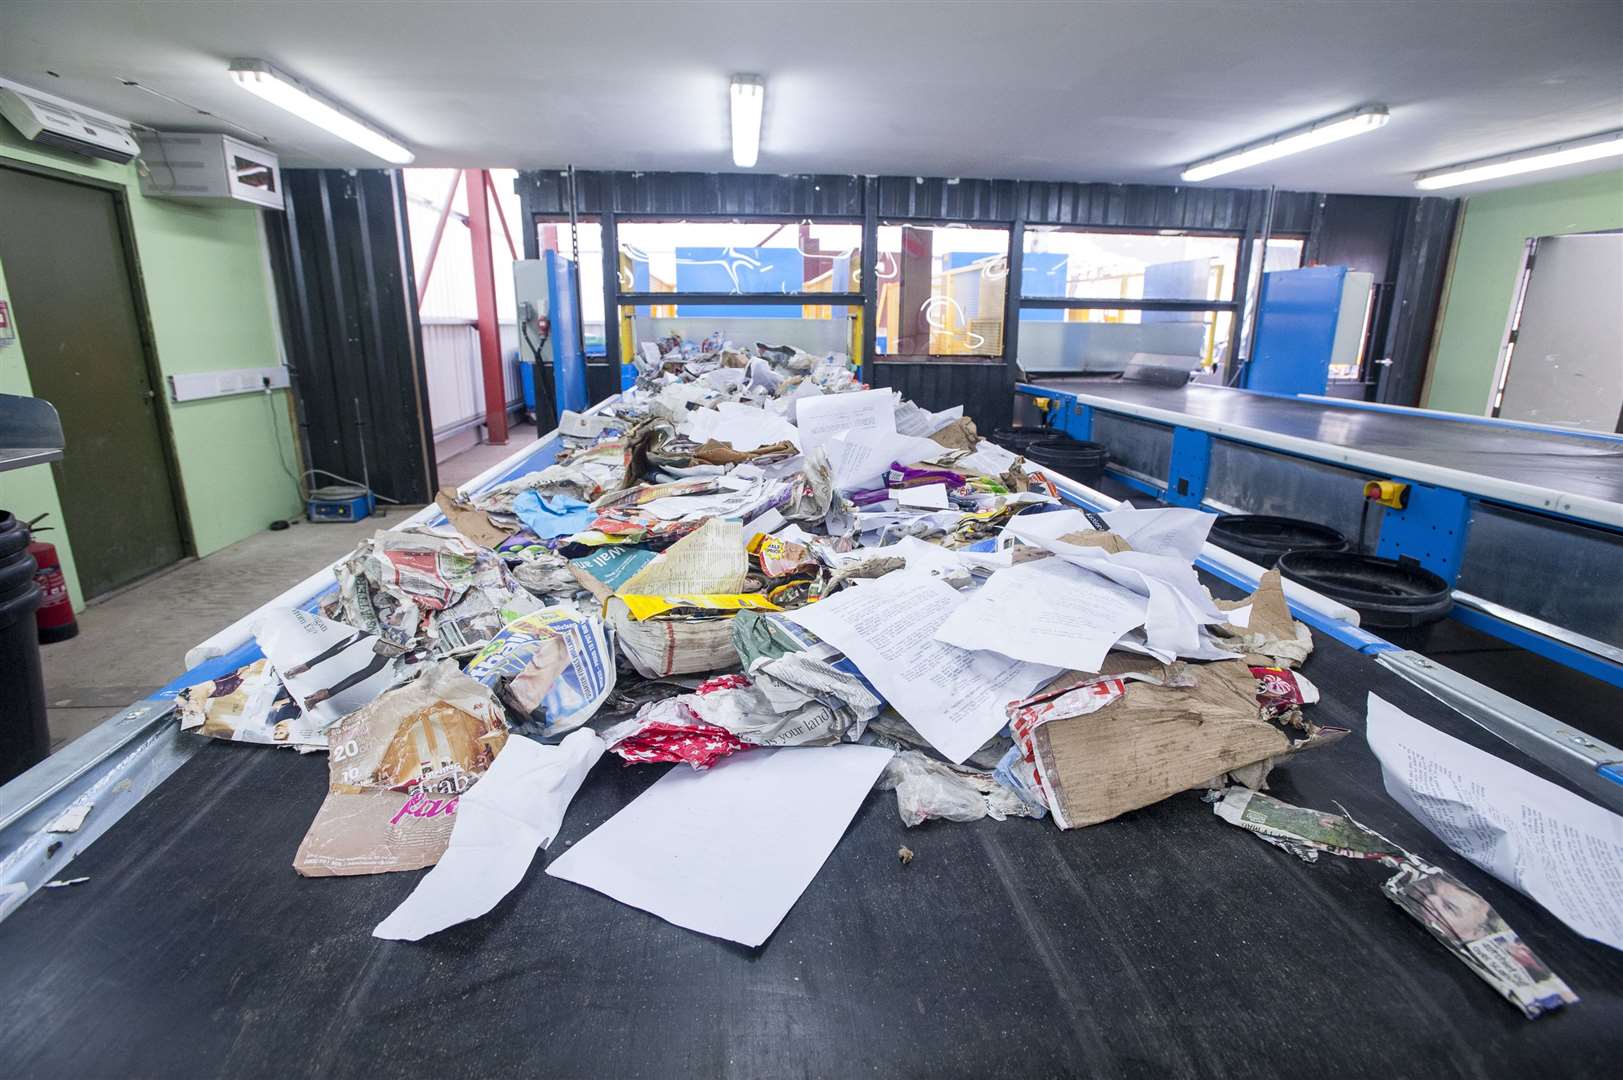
<point>215,167</point>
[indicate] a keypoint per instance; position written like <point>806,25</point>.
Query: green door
<point>62,246</point>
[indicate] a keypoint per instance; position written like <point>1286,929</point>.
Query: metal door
<point>63,249</point>
<point>1566,364</point>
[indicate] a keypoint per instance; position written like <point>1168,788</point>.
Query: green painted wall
<point>1482,281</point>
<point>209,300</point>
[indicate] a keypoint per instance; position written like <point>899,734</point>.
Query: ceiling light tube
<point>748,101</point>
<point>281,89</point>
<point>1334,129</point>
<point>1524,161</point>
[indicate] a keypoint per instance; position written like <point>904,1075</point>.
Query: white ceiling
<point>1102,90</point>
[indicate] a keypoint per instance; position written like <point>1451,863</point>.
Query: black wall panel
<point>1422,265</point>
<point>348,302</point>
<point>985,390</point>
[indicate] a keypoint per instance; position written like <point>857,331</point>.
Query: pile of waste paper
<point>754,568</point>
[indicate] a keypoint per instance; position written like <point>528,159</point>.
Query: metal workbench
<point>1163,943</point>
<point>1524,521</point>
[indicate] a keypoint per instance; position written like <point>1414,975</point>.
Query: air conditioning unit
<point>200,165</point>
<point>52,121</point>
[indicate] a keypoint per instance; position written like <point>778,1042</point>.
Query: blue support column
<point>1186,474</point>
<point>1431,530</point>
<point>1073,418</point>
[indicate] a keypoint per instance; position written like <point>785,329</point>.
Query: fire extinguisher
<point>55,612</point>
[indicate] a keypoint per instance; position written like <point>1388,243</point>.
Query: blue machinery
<point>1525,522</point>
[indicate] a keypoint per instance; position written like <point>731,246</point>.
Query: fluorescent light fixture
<point>1524,161</point>
<point>280,88</point>
<point>749,100</point>
<point>1334,129</point>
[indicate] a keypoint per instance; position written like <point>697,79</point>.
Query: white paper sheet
<point>860,458</point>
<point>514,809</point>
<point>1174,530</point>
<point>954,697</point>
<point>1558,848</point>
<point>821,418</point>
<point>744,427</point>
<point>729,850</point>
<point>1046,612</point>
<point>924,497</point>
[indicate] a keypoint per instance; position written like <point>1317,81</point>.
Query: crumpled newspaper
<point>424,586</point>
<point>926,788</point>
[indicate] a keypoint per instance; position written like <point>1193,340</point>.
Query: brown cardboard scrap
<point>475,525</point>
<point>1111,542</point>
<point>958,435</point>
<point>1152,742</point>
<point>715,452</point>
<point>1270,634</point>
<point>398,766</point>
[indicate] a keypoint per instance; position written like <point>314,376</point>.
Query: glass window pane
<point>740,257</point>
<point>553,235</point>
<point>1166,265</point>
<point>941,290</point>
<point>1105,339</point>
<point>1284,253</point>
<point>820,329</point>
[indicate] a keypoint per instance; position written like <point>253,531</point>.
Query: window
<point>1284,253</point>
<point>941,290</point>
<point>1167,292</point>
<point>1166,265</point>
<point>739,258</point>
<point>553,234</point>
<point>746,259</point>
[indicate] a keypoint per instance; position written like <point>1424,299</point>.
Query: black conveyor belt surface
<point>1162,944</point>
<point>1572,464</point>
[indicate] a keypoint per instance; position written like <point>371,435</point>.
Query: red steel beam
<point>484,293</point>
<point>501,215</point>
<point>434,244</point>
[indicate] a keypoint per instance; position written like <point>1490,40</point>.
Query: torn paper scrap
<point>710,559</point>
<point>250,705</point>
<point>516,809</point>
<point>923,497</point>
<point>1174,530</point>
<point>71,820</point>
<point>728,851</point>
<point>886,627</point>
<point>1558,848</point>
<point>398,767</point>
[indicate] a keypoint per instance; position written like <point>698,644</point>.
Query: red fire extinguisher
<point>55,612</point>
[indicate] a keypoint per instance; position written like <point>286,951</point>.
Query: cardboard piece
<point>475,525</point>
<point>1152,742</point>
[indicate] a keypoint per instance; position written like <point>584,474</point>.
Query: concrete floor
<point>134,641</point>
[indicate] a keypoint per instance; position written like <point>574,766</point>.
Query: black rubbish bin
<point>25,737</point>
<point>1082,461</point>
<point>1018,440</point>
<point>1386,593</point>
<point>1263,539</point>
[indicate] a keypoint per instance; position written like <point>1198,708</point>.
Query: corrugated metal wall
<point>348,301</point>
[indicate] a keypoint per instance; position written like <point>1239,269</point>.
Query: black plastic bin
<point>25,737</point>
<point>1263,539</point>
<point>1082,461</point>
<point>1019,439</point>
<point>1386,593</point>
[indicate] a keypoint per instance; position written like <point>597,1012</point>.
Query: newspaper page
<point>1457,916</point>
<point>553,666</point>
<point>1558,848</point>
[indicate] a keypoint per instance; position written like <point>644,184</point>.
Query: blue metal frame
<point>1566,655</point>
<point>1297,313</point>
<point>1186,472</point>
<point>1431,530</point>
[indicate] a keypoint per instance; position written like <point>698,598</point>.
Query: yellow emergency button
<point>1393,493</point>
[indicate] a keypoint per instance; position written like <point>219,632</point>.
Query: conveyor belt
<point>1586,469</point>
<point>1164,943</point>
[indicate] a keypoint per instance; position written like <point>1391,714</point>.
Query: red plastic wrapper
<point>670,731</point>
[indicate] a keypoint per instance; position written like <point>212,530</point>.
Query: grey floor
<point>134,641</point>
